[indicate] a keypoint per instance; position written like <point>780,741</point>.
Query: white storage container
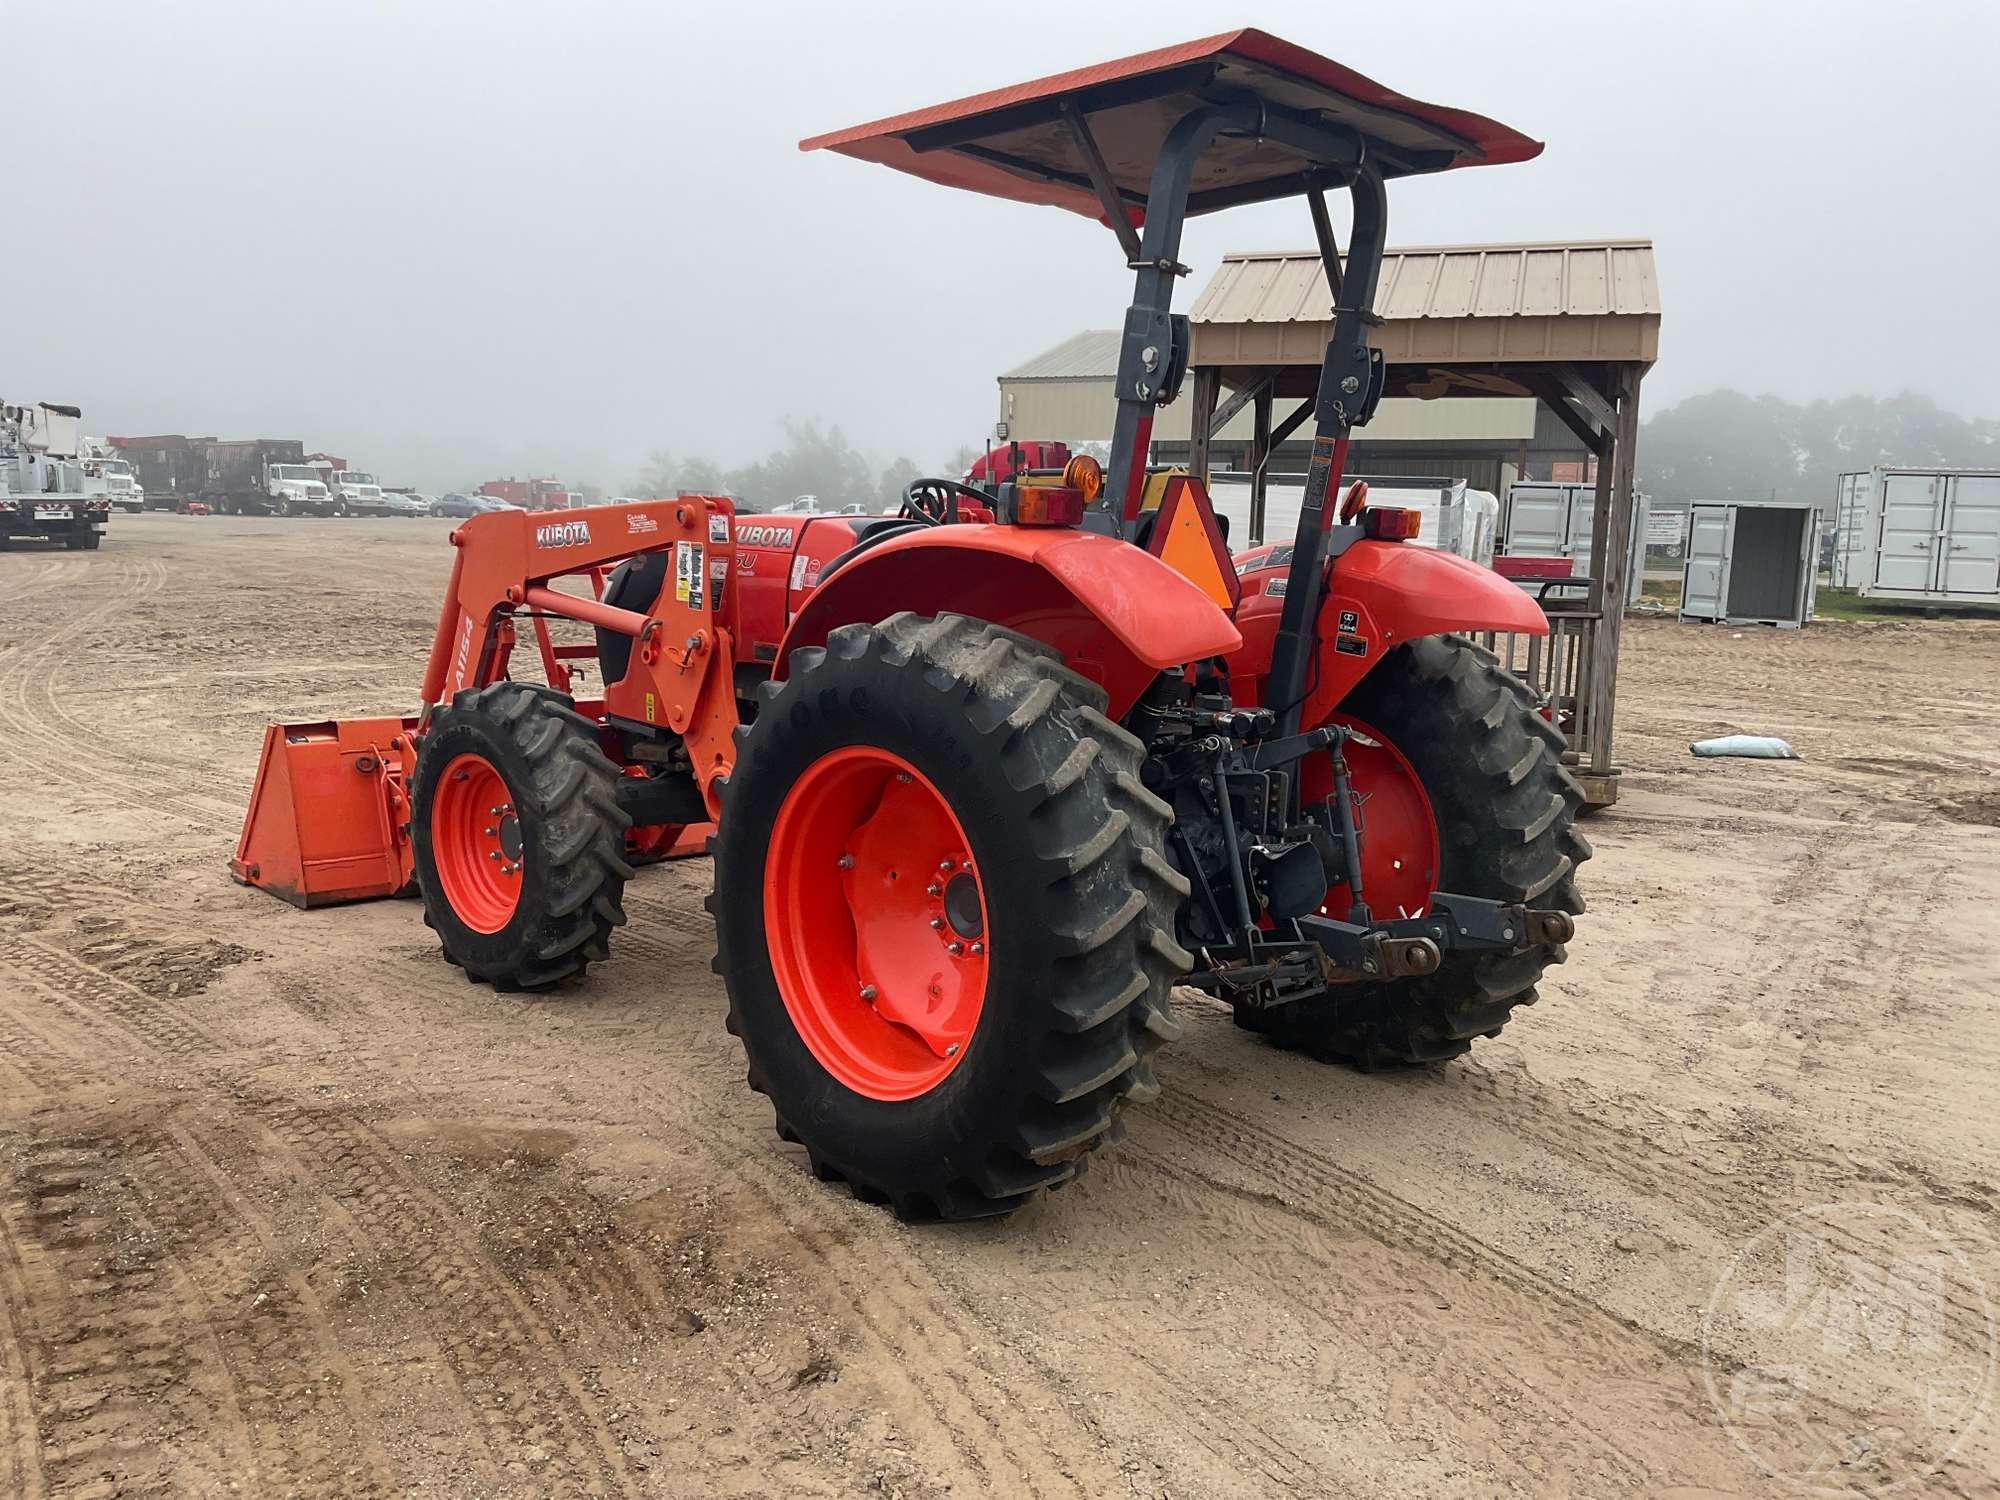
<point>1853,498</point>
<point>1927,535</point>
<point>1555,520</point>
<point>1750,563</point>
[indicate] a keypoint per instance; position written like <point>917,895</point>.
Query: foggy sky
<point>455,239</point>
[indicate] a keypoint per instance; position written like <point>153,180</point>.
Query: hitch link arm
<point>1352,952</point>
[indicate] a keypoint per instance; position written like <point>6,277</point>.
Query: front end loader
<point>989,778</point>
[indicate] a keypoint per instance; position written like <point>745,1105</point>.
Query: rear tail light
<point>1048,505</point>
<point>1390,523</point>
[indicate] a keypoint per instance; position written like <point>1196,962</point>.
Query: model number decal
<point>562,534</point>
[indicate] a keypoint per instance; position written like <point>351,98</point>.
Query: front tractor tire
<point>944,913</point>
<point>518,836</point>
<point>1502,807</point>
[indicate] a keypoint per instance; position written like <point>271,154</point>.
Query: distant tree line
<point>1724,445</point>
<point>812,460</point>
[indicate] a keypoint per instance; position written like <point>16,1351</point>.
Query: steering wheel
<point>935,501</point>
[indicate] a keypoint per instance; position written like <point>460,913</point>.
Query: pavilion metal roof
<point>1582,299</point>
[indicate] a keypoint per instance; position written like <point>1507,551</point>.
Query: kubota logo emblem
<point>562,534</point>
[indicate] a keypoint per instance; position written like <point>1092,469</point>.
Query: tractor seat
<point>866,536</point>
<point>634,584</point>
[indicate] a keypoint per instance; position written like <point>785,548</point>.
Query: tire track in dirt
<point>1548,1330</point>
<point>288,1403</point>
<point>20,1446</point>
<point>1734,1195</point>
<point>531,1402</point>
<point>76,757</point>
<point>110,1347</point>
<point>927,1339</point>
<point>496,1345</point>
<point>1434,1297</point>
<point>487,1365</point>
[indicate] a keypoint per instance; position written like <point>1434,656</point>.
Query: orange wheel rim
<point>875,918</point>
<point>476,843</point>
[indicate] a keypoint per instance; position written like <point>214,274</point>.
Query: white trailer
<point>1929,536</point>
<point>1750,563</point>
<point>1453,517</point>
<point>1545,519</point>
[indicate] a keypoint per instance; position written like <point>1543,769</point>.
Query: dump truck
<point>989,778</point>
<point>168,466</point>
<point>237,479</point>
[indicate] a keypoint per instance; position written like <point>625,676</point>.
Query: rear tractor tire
<point>518,836</point>
<point>1491,771</point>
<point>944,913</point>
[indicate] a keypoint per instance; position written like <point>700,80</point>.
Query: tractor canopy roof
<point>1018,142</point>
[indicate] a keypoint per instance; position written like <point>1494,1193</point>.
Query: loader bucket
<point>329,814</point>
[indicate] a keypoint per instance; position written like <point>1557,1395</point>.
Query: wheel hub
<point>477,844</point>
<point>962,906</point>
<point>875,922</point>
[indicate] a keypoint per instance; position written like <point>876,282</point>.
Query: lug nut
<point>978,947</point>
<point>954,947</point>
<point>944,865</point>
<point>951,1050</point>
<point>933,890</point>
<point>491,831</point>
<point>867,992</point>
<point>902,775</point>
<point>492,853</point>
<point>936,923</point>
<point>846,861</point>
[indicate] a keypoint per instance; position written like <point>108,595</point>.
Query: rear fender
<point>1116,613</point>
<point>1380,594</point>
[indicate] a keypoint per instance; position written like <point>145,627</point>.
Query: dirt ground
<point>288,1208</point>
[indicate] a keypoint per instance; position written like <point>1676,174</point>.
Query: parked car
<point>396,503</point>
<point>459,505</point>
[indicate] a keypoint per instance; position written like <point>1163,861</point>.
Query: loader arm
<point>679,676</point>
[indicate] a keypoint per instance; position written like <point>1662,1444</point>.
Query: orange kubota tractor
<point>992,776</point>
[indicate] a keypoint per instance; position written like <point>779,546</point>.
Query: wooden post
<point>1611,553</point>
<point>1207,387</point>
<point>1260,462</point>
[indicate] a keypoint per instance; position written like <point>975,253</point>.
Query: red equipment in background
<point>997,465</point>
<point>529,494</point>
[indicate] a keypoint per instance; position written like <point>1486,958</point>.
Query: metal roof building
<point>1066,392</point>
<point>1592,300</point>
